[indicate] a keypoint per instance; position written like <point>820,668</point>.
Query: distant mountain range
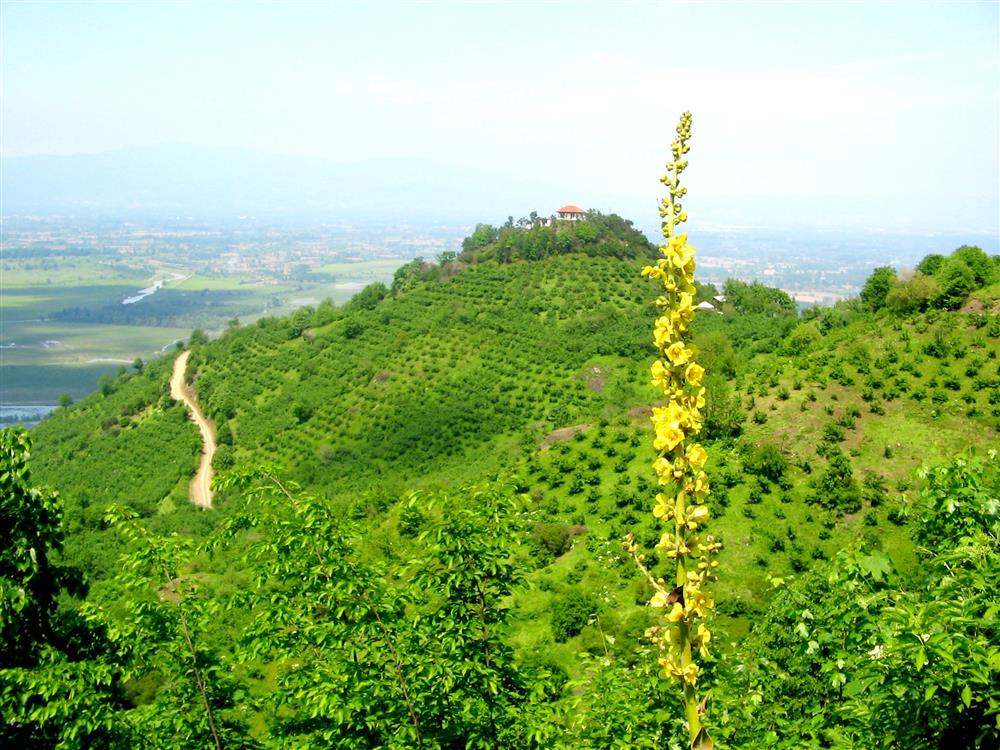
<point>219,181</point>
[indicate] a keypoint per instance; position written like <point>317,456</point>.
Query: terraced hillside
<point>538,369</point>
<point>397,409</point>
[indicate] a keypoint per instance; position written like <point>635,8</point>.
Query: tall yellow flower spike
<point>680,507</point>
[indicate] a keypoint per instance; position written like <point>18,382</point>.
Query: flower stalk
<point>680,505</point>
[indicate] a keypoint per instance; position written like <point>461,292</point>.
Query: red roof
<point>571,209</point>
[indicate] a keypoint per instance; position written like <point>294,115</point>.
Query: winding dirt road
<point>200,490</point>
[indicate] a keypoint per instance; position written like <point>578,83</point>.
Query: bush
<point>836,488</point>
<point>553,539</point>
<point>571,613</point>
<point>766,461</point>
<point>913,295</point>
<point>223,458</point>
<point>877,288</point>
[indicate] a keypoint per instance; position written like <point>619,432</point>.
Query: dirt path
<point>200,489</point>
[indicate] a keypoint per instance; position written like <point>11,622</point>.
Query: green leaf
<point>967,696</point>
<point>877,565</point>
<point>853,688</point>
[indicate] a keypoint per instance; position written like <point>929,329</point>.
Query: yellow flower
<point>652,272</point>
<point>661,374</point>
<point>697,515</point>
<point>677,353</point>
<point>702,638</point>
<point>667,541</point>
<point>667,437</point>
<point>684,302</point>
<point>696,400</point>
<point>700,486</point>
<point>676,614</point>
<point>693,373</point>
<point>664,332</point>
<point>664,507</point>
<point>690,673</point>
<point>680,254</point>
<point>664,469</point>
<point>699,602</point>
<point>672,414</point>
<point>669,667</point>
<point>659,599</point>
<point>696,455</point>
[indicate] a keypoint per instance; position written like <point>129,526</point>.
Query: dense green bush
<point>571,613</point>
<point>552,539</point>
<point>767,462</point>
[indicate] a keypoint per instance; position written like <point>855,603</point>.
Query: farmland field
<point>76,303</point>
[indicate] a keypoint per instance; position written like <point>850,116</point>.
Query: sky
<point>882,115</point>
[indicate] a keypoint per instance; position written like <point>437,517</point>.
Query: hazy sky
<point>804,113</point>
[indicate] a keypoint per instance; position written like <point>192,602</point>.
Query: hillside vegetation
<point>424,494</point>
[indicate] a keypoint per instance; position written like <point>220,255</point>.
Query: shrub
<point>571,613</point>
<point>553,539</point>
<point>766,461</point>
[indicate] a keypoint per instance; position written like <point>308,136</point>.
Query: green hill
<point>526,358</point>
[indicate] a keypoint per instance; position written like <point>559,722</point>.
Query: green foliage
<point>802,337</point>
<point>956,280</point>
<point>766,461</point>
<point>410,275</point>
<point>931,264</point>
<point>959,499</point>
<point>877,287</point>
<point>159,633</point>
<point>571,613</point>
<point>30,532</point>
<point>723,414</point>
<point>599,235</point>
<point>552,539</point>
<point>623,706</point>
<point>368,298</point>
<point>420,663</point>
<point>482,236</point>
<point>836,488</point>
<point>141,463</point>
<point>984,269</point>
<point>455,379</point>
<point>914,294</point>
<point>856,655</point>
<point>50,695</point>
<point>757,298</point>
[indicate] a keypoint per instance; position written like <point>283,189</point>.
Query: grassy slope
<point>455,380</point>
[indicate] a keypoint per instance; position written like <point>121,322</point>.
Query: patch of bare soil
<point>597,382</point>
<point>563,434</point>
